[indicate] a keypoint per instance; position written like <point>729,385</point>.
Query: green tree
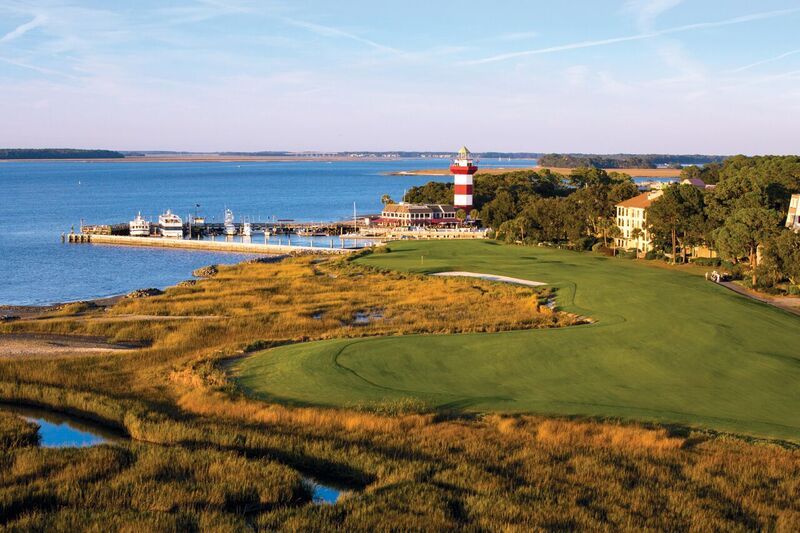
<point>433,192</point>
<point>588,177</point>
<point>501,209</point>
<point>753,182</point>
<point>677,217</point>
<point>744,231</point>
<point>781,258</point>
<point>461,215</point>
<point>474,214</point>
<point>386,199</point>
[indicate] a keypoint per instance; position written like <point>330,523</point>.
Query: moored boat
<point>230,227</point>
<point>171,225</point>
<point>139,227</point>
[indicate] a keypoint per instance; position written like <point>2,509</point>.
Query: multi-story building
<point>793,218</point>
<point>632,216</point>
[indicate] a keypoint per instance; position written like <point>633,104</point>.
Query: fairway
<point>667,347</point>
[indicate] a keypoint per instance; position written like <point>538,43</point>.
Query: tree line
<point>741,217</point>
<point>57,153</point>
<point>625,160</point>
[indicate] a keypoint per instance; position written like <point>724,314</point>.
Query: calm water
<point>323,494</point>
<point>63,431</point>
<point>42,200</point>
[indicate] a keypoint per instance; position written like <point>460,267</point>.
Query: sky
<point>598,76</point>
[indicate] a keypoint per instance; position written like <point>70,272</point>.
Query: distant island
<point>626,160</point>
<point>563,161</point>
<point>57,153</point>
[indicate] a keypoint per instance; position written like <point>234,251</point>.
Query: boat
<point>139,227</point>
<point>171,225</point>
<point>311,233</point>
<point>247,229</point>
<point>230,227</point>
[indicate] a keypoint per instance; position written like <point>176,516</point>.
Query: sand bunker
<point>22,345</point>
<point>492,277</point>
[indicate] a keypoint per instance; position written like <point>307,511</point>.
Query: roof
<point>464,151</point>
<point>418,208</point>
<point>642,201</point>
<point>697,182</point>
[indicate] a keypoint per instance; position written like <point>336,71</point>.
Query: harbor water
<point>41,200</point>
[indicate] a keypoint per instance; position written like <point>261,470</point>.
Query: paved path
<point>786,303</point>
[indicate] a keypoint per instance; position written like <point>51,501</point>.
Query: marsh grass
<point>205,457</point>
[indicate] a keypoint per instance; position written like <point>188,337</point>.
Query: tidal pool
<point>323,494</point>
<point>58,430</point>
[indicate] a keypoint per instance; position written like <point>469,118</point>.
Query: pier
<point>214,246</point>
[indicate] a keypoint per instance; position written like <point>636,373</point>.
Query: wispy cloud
<point>647,11</point>
<point>35,68</point>
<point>331,31</point>
<point>765,61</point>
<point>636,37</point>
<point>22,29</point>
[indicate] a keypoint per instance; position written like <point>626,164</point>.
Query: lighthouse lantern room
<point>462,168</point>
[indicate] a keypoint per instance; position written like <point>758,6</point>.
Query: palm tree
<point>386,199</point>
<point>637,234</point>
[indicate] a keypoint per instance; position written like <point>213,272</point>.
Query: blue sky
<point>688,76</point>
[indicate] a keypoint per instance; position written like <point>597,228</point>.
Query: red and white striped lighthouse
<point>462,169</point>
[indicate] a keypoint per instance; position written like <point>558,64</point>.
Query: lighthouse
<point>462,168</point>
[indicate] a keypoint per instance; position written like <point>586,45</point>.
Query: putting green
<point>667,346</point>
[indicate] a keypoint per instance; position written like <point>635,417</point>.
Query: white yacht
<point>230,227</point>
<point>247,229</point>
<point>139,227</point>
<point>171,225</point>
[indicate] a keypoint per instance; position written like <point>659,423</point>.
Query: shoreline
<point>33,310</point>
<point>209,159</point>
<point>633,172</point>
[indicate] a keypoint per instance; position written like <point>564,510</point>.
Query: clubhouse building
<point>632,216</point>
<point>404,214</point>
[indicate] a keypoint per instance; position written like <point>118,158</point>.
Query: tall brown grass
<point>208,458</point>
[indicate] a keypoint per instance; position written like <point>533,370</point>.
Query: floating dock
<point>214,246</point>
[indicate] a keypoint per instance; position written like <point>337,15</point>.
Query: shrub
<point>707,261</point>
<point>794,290</point>
<point>584,243</point>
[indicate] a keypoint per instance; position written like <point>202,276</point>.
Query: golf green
<point>667,347</point>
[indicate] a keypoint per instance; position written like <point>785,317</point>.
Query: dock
<point>213,246</point>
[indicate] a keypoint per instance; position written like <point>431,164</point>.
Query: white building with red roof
<point>632,216</point>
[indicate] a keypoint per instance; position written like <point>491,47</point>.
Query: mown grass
<point>206,457</point>
<point>667,347</point>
